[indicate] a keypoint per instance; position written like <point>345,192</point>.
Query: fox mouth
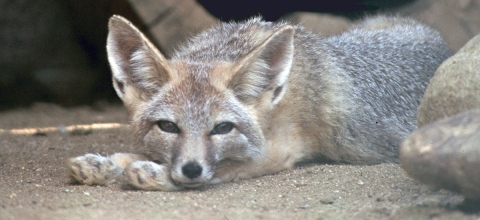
<point>188,185</point>
<point>191,185</point>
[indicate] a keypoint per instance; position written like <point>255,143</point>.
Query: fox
<point>252,98</point>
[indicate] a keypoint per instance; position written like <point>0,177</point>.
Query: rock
<point>171,22</point>
<point>68,86</point>
<point>446,154</point>
<point>34,37</point>
<point>38,34</point>
<point>457,21</point>
<point>455,87</point>
<point>322,24</point>
<point>90,21</point>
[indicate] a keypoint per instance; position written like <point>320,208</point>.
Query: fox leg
<point>148,175</point>
<point>229,171</point>
<point>91,169</point>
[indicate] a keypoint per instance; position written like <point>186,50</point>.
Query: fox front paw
<point>148,175</point>
<point>93,169</point>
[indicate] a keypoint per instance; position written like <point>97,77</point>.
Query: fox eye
<point>222,128</point>
<point>168,126</point>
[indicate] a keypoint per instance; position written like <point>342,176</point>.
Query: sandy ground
<point>33,182</point>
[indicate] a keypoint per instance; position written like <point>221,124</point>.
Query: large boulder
<point>457,21</point>
<point>455,87</point>
<point>41,57</point>
<point>321,24</point>
<point>172,22</point>
<point>446,154</point>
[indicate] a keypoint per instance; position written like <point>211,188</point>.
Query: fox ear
<point>138,68</point>
<point>265,69</point>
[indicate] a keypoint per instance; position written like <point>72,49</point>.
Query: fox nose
<point>192,170</point>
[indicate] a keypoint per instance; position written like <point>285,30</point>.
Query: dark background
<point>273,10</point>
<point>54,50</point>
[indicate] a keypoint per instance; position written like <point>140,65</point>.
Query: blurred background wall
<point>54,50</point>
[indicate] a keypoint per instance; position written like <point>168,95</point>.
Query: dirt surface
<point>34,185</point>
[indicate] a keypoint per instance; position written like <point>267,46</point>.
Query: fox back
<point>240,93</point>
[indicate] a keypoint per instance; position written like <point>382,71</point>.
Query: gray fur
<point>379,70</point>
<point>288,95</point>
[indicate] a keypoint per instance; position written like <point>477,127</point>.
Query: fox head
<point>194,115</point>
